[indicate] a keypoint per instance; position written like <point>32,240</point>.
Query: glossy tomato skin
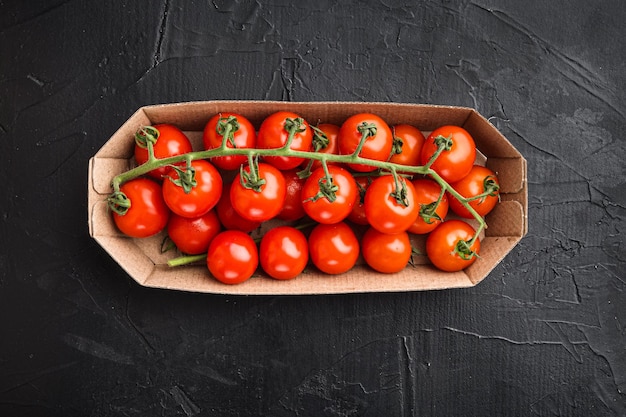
<point>377,147</point>
<point>283,252</point>
<point>148,214</point>
<point>229,218</point>
<point>323,210</point>
<point>244,137</point>
<point>333,248</point>
<point>292,207</point>
<point>273,134</point>
<point>232,257</point>
<point>441,244</point>
<point>357,215</point>
<point>473,184</point>
<point>171,142</point>
<point>427,193</point>
<point>412,140</point>
<point>382,210</point>
<point>332,134</point>
<point>202,197</point>
<point>384,252</point>
<point>193,235</point>
<point>260,205</point>
<point>455,163</point>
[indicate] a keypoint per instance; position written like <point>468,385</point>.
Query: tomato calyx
<point>443,144</point>
<point>428,212</point>
<point>327,188</point>
<point>186,177</point>
<point>400,190</point>
<point>293,126</point>
<point>226,128</point>
<point>366,130</point>
<point>320,139</point>
<point>398,143</point>
<point>490,187</point>
<point>118,202</point>
<point>463,249</point>
<point>250,178</point>
<point>146,135</point>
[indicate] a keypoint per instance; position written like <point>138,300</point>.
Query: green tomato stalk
<point>119,203</point>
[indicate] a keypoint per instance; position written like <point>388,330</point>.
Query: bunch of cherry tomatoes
<point>322,182</point>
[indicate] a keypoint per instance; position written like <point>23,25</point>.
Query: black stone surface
<point>543,335</point>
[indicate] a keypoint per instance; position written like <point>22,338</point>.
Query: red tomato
<point>457,158</point>
<point>274,132</point>
<point>430,214</point>
<point>408,141</point>
<point>448,247</point>
<point>481,185</point>
<point>193,235</point>
<point>384,252</point>
<point>329,202</point>
<point>238,133</point>
<point>229,218</point>
<point>357,215</point>
<point>259,202</point>
<point>391,207</point>
<point>148,214</point>
<point>284,252</point>
<point>327,144</point>
<point>333,248</point>
<point>170,141</point>
<point>377,145</point>
<point>292,207</point>
<point>198,199</point>
<point>232,257</point>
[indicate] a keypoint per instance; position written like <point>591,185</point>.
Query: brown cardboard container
<point>142,260</point>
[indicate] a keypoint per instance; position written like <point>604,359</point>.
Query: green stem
<point>226,127</point>
<point>186,260</point>
<point>367,130</point>
<point>454,193</point>
<point>293,126</point>
<point>353,158</point>
<point>443,144</point>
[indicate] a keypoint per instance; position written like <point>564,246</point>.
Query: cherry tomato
<point>481,181</point>
<point>170,141</point>
<point>284,252</point>
<point>325,140</point>
<point>333,248</point>
<point>408,141</point>
<point>232,257</point>
<point>193,235</point>
<point>377,145</point>
<point>292,207</point>
<point>274,133</point>
<point>259,202</point>
<point>229,218</point>
<point>239,133</point>
<point>199,198</point>
<point>357,215</point>
<point>448,246</point>
<point>390,205</point>
<point>457,158</point>
<point>430,214</point>
<point>384,252</point>
<point>148,214</point>
<point>329,201</point>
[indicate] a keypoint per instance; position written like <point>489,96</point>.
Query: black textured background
<point>543,335</point>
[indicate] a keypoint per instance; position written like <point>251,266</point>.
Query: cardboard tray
<point>143,261</point>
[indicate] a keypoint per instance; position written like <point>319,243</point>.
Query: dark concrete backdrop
<point>543,335</point>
